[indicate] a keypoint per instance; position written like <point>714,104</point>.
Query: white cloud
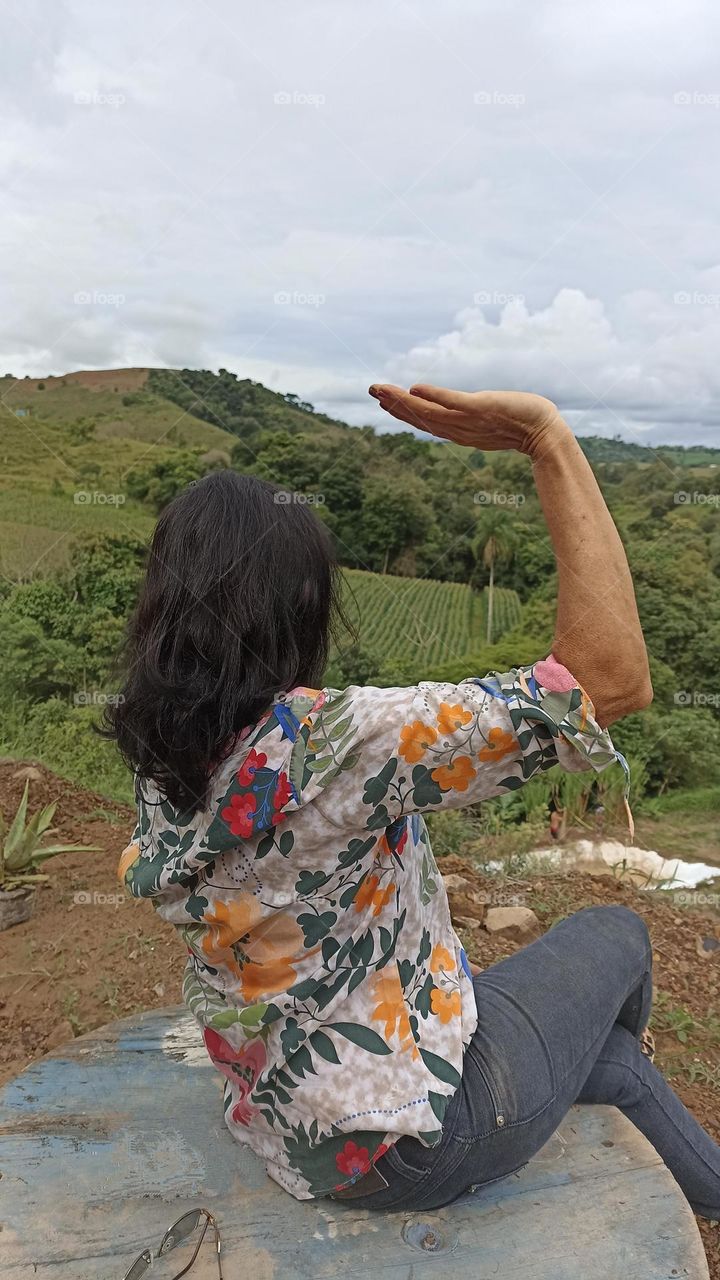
<point>143,152</point>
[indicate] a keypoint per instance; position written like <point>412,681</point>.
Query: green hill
<point>91,458</point>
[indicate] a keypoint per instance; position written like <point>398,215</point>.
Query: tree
<point>494,544</point>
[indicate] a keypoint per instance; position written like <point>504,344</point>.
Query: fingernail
<point>374,391</point>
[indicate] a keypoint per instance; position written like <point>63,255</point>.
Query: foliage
<point>394,502</point>
<point>22,845</point>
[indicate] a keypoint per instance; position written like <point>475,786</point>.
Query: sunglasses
<point>180,1232</point>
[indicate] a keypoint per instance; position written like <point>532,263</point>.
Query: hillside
<point>91,458</point>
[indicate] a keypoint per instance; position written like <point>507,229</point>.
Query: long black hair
<point>238,604</point>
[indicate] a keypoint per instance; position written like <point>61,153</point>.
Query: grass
<point>78,440</point>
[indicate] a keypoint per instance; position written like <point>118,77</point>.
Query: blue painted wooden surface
<point>106,1142</point>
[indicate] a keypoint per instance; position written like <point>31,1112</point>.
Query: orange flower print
<point>391,1008</point>
<point>128,857</point>
<point>500,744</point>
<point>370,894</point>
<point>258,950</point>
<point>452,718</point>
<point>415,739</point>
<point>364,895</point>
<point>455,776</point>
<point>446,1004</point>
<point>228,922</point>
<point>441,960</point>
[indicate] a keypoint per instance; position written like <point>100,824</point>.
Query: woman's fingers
<point>412,408</point>
<point>459,400</point>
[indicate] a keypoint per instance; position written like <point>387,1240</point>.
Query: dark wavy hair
<point>238,604</point>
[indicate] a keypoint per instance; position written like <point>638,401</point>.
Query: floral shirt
<point>332,992</point>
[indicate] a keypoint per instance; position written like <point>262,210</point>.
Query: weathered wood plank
<point>104,1143</point>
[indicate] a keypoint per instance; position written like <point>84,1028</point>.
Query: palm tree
<point>494,544</point>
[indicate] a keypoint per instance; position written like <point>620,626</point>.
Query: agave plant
<point>22,847</point>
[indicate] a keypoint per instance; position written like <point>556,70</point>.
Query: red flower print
<point>239,814</point>
<point>398,847</point>
<point>283,793</point>
<point>243,1067</point>
<point>353,1160</point>
<point>253,760</point>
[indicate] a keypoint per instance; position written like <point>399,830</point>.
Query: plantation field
<point>402,618</point>
<point>506,611</point>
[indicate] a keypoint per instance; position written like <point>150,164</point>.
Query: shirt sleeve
<point>434,746</point>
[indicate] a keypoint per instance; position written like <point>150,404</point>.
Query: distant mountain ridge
<point>229,402</point>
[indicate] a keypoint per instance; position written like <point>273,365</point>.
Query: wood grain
<point>105,1142</point>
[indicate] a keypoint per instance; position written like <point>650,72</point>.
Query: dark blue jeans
<point>557,1023</point>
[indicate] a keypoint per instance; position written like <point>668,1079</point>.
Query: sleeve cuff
<point>548,694</point>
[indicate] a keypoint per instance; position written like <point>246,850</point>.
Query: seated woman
<point>280,830</point>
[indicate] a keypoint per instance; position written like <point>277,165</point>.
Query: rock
<point>513,922</point>
<point>707,948</point>
<point>466,922</point>
<point>60,1034</point>
<point>28,773</point>
<point>457,884</point>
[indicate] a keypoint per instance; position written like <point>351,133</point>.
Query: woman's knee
<point>622,921</point>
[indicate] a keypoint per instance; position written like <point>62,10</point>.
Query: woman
<point>280,830</point>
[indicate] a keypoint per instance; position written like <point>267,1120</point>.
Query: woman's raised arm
<point>597,632</point>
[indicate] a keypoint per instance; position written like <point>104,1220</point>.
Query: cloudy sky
<point>317,195</point>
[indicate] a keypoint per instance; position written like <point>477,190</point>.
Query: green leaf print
<point>285,843</point>
<point>444,1071</point>
<point>301,1063</point>
<point>376,788</point>
<point>316,927</point>
<point>291,1037</point>
<point>422,1000</point>
<point>364,1037</point>
<point>439,1103</point>
<point>512,784</point>
<point>426,791</point>
<point>308,881</point>
<point>428,883</point>
<point>323,1045</point>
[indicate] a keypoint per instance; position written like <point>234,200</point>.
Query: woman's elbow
<point>637,697</point>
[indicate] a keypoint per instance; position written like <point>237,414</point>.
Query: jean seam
<point>616,1062</point>
<point>505,1128</point>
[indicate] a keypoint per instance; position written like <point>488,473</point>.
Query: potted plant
<point>22,853</point>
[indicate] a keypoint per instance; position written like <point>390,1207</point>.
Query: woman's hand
<point>479,419</point>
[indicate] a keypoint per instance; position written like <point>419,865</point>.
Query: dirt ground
<point>89,955</point>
